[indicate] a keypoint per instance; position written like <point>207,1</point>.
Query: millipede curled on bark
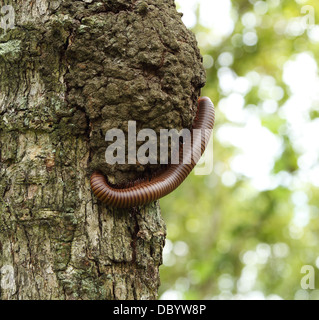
<point>167,181</point>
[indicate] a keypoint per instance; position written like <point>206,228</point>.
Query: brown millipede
<point>165,182</point>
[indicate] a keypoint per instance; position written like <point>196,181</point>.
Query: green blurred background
<point>246,230</point>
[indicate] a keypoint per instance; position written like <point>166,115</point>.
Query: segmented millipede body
<point>167,181</point>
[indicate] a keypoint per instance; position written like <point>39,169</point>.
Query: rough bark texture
<point>70,71</point>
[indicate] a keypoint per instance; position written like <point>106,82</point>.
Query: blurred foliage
<point>228,239</point>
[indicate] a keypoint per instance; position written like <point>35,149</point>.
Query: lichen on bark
<point>69,71</point>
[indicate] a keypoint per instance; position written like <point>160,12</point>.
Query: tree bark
<point>70,71</point>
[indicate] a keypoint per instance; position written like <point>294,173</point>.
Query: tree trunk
<point>70,71</point>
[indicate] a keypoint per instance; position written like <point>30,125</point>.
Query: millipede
<point>167,181</point>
